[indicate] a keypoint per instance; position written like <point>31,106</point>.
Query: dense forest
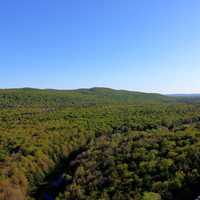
<point>98,143</point>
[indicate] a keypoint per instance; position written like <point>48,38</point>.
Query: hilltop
<point>96,95</point>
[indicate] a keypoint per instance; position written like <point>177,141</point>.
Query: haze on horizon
<point>148,46</point>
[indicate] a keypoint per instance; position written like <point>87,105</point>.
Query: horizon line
<point>87,88</point>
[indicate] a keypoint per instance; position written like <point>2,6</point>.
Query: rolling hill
<point>50,97</point>
<point>97,143</point>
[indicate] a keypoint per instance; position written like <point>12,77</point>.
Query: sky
<point>139,45</point>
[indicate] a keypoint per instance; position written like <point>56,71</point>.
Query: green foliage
<point>131,161</point>
<point>151,196</point>
<point>118,144</point>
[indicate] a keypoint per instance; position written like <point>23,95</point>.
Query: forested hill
<point>97,144</point>
<point>188,98</point>
<point>50,97</point>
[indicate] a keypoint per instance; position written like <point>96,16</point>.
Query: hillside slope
<point>49,97</point>
<point>53,142</point>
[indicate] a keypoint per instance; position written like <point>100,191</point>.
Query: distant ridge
<point>91,96</point>
<point>186,98</point>
<point>184,95</point>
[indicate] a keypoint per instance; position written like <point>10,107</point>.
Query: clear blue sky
<point>151,46</point>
